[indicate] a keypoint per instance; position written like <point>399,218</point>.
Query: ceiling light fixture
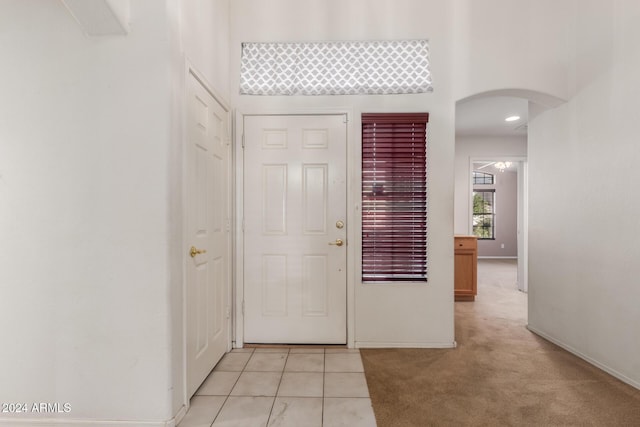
<point>501,166</point>
<point>512,118</point>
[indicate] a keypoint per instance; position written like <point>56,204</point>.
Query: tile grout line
<point>281,378</point>
<point>278,388</point>
<point>324,373</point>
<point>230,390</point>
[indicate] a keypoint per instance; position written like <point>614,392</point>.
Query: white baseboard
<point>497,257</point>
<point>179,416</point>
<point>583,356</point>
<point>376,344</point>
<point>54,422</point>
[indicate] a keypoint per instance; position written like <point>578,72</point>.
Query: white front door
<point>208,245</point>
<point>295,231</point>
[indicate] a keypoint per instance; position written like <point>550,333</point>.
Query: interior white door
<point>295,229</point>
<point>208,245</point>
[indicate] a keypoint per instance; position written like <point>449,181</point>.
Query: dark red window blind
<point>394,197</point>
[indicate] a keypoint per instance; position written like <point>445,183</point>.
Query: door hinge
<point>228,225</point>
<point>228,312</point>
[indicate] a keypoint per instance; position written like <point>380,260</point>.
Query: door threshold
<point>247,345</point>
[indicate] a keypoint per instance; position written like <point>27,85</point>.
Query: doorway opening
<point>498,211</point>
<point>491,190</point>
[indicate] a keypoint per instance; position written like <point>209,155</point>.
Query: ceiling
<point>485,116</point>
<point>489,167</point>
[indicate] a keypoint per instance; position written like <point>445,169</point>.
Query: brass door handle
<point>338,242</point>
<point>193,251</point>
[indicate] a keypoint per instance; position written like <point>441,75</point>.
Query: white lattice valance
<point>335,68</point>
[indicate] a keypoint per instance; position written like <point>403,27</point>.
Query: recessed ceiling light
<point>512,118</point>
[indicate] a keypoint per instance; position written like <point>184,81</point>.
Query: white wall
<point>419,315</point>
<point>512,45</point>
<point>84,223</point>
<point>204,27</point>
<point>479,147</point>
<point>583,254</point>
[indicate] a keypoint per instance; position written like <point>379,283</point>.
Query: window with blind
<point>394,197</point>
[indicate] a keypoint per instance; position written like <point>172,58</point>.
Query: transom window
<point>483,178</point>
<point>394,197</point>
<point>335,68</point>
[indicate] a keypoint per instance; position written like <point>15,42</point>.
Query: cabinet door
<point>464,269</point>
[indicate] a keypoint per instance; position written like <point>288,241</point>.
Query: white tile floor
<point>284,387</point>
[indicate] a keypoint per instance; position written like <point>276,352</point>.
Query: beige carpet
<point>500,375</point>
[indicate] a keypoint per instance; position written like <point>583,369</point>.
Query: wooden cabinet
<point>466,268</point>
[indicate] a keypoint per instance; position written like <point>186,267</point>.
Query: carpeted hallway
<point>499,375</point>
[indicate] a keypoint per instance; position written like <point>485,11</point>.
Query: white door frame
<point>523,226</point>
<point>523,211</point>
<point>190,70</point>
<point>238,191</point>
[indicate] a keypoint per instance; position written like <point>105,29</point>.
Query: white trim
<point>189,69</point>
<point>377,344</point>
<point>353,158</point>
<point>180,415</point>
<point>523,226</point>
<point>183,188</point>
<point>52,422</point>
<point>497,257</point>
<point>238,192</point>
<point>586,358</point>
<point>352,212</point>
<point>216,95</point>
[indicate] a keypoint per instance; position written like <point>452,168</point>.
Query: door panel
<point>207,286</point>
<point>294,195</point>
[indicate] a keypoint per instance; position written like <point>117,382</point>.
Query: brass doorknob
<point>194,251</point>
<point>338,242</point>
